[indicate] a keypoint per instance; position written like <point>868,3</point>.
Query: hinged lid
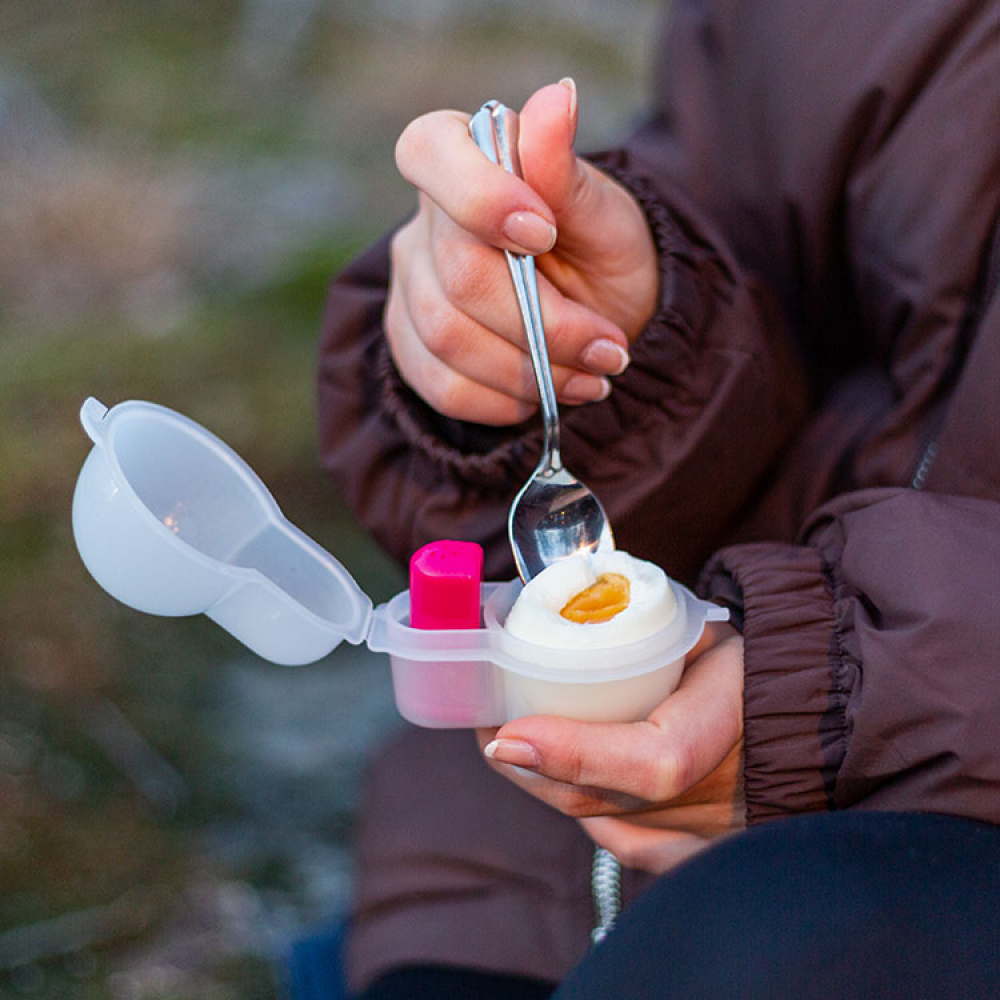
<point>171,520</point>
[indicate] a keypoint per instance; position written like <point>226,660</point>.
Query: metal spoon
<point>554,515</point>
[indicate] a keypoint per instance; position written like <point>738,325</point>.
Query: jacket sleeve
<point>713,382</point>
<point>872,657</point>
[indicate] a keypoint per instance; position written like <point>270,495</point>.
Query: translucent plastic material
<point>171,521</point>
<point>485,677</point>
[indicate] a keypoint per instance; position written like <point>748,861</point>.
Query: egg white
<point>535,615</point>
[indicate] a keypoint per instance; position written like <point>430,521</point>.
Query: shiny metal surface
<point>554,515</point>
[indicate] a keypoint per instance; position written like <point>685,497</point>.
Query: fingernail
<point>570,84</point>
<point>530,232</point>
<point>585,389</point>
<point>605,357</point>
<point>515,752</point>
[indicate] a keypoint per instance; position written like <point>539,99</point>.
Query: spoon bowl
<point>554,515</point>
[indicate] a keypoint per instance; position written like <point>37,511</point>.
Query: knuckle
<point>666,771</point>
<point>462,278</point>
<point>400,245</point>
<point>450,395</point>
<point>685,766</point>
<point>677,771</point>
<point>576,761</point>
<point>404,253</point>
<point>578,804</point>
<point>393,319</point>
<point>649,780</point>
<point>439,330</point>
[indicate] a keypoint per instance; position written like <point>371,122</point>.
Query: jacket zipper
<point>924,467</point>
<point>606,887</point>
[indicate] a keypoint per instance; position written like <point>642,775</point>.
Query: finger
<point>640,847</point>
<point>450,393</point>
<point>447,391</point>
<point>575,191</point>
<point>449,336</point>
<point>573,800</point>
<point>655,760</point>
<point>476,279</point>
<point>445,334</point>
<point>436,154</point>
<point>714,807</point>
<point>704,815</point>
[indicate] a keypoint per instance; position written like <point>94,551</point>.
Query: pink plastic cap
<point>445,582</point>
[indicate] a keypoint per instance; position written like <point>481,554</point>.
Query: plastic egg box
<point>171,521</point>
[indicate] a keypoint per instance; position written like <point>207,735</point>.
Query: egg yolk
<point>600,602</point>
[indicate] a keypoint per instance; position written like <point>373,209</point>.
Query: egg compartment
<point>169,520</point>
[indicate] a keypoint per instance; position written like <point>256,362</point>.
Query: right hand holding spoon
<point>453,326</point>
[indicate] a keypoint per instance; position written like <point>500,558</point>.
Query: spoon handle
<point>494,129</point>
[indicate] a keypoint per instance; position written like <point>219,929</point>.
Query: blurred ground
<point>178,180</point>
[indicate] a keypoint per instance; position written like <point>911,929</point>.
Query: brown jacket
<point>810,425</point>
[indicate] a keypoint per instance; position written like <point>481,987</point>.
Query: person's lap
<point>848,904</point>
<point>461,874</point>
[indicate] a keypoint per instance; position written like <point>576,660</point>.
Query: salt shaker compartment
<point>441,678</point>
<point>442,695</point>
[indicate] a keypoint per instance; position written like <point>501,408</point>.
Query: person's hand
<point>452,321</point>
<point>651,792</point>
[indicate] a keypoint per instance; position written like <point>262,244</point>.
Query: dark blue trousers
<point>853,905</point>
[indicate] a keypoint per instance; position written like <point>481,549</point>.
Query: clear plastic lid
<point>170,520</point>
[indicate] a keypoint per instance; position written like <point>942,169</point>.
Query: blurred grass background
<point>178,182</point>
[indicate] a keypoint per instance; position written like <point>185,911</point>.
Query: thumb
<point>605,256</point>
<point>586,202</point>
<point>547,129</point>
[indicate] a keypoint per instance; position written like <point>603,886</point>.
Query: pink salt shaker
<point>445,583</point>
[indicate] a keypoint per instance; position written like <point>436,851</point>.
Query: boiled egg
<point>593,601</point>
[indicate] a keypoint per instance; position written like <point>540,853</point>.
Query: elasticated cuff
<point>794,699</point>
<point>682,308</point>
<point>479,456</point>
